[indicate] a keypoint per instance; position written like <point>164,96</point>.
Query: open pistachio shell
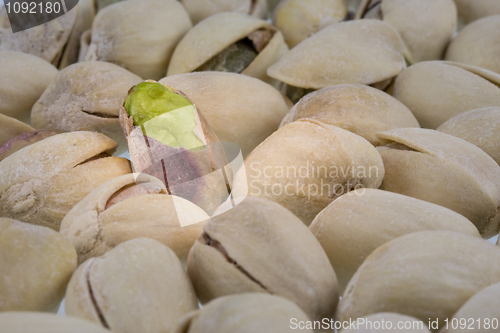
<point>23,79</point>
<point>40,183</point>
<point>23,140</point>
<point>139,35</point>
<point>209,46</point>
<point>437,91</point>
<point>200,10</point>
<point>471,10</point>
<point>355,224</point>
<point>139,286</point>
<point>305,165</point>
<point>428,275</point>
<point>361,51</point>
<point>11,128</point>
<point>357,108</point>
<point>36,266</point>
<point>387,322</point>
<point>445,170</point>
<point>477,44</point>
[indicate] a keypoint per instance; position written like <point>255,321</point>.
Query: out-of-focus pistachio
<point>230,42</point>
<point>139,286</point>
<point>437,91</point>
<point>259,246</point>
<point>355,224</point>
<point>252,312</point>
<point>23,140</point>
<point>428,275</point>
<point>357,108</point>
<point>23,79</point>
<point>139,35</point>
<point>11,128</point>
<point>387,322</point>
<point>471,10</point>
<point>445,170</point>
<point>299,19</point>
<point>477,44</point>
<point>200,10</point>
<point>40,183</point>
<point>36,266</point>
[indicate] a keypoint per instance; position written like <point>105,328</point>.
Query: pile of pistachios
<point>255,166</point>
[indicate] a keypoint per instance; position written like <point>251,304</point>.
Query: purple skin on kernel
<point>22,141</point>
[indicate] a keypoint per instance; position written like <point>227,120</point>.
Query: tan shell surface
<point>139,35</point>
<point>229,103</point>
<point>253,247</point>
<point>361,51</point>
<point>436,91</point>
<point>36,265</point>
<point>355,224</point>
<point>23,79</point>
<point>357,108</point>
<point>11,128</point>
<point>200,10</point>
<point>471,10</point>
<point>478,44</point>
<point>388,322</point>
<point>139,286</point>
<point>428,275</point>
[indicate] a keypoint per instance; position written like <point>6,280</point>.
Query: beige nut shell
<point>471,10</point>
<point>200,10</point>
<point>387,322</point>
<point>11,128</point>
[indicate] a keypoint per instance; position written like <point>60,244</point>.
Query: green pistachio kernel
<point>235,58</point>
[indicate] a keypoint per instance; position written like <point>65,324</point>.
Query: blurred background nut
<point>23,79</point>
<point>201,9</point>
<point>40,183</point>
<point>259,246</point>
<point>139,286</point>
<point>247,313</point>
<point>11,128</point>
<point>444,170</point>
<point>388,322</point>
<point>36,265</point>
<point>132,206</point>
<point>471,10</point>
<point>359,109</point>
<point>428,275</point>
<point>139,35</point>
<point>299,19</point>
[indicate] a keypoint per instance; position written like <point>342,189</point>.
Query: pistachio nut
<point>471,10</point>
<point>444,170</point>
<point>139,286</point>
<point>386,322</point>
<point>23,140</point>
<point>357,108</point>
<point>250,313</point>
<point>480,127</point>
<point>253,248</point>
<point>200,10</point>
<point>36,265</point>
<point>307,164</point>
<point>23,79</point>
<point>229,104</point>
<point>40,183</point>
<point>11,128</point>
<point>358,222</point>
<point>299,19</point>
<point>476,44</point>
<point>138,35</point>
<point>428,275</point>
<point>426,26</point>
<point>479,313</point>
<point>437,91</point>
<point>229,42</point>
<point>85,97</point>
<point>35,322</point>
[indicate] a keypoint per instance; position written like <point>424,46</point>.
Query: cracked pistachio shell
<point>357,108</point>
<point>471,10</point>
<point>253,248</point>
<point>361,51</point>
<point>355,224</point>
<point>305,165</point>
<point>214,34</point>
<point>139,35</point>
<point>143,209</point>
<point>428,275</point>
<point>36,266</point>
<point>437,91</point>
<point>40,183</point>
<point>480,127</point>
<point>23,79</point>
<point>299,19</point>
<point>248,313</point>
<point>139,286</point>
<point>11,128</point>
<point>200,10</point>
<point>34,322</point>
<point>85,97</point>
<point>478,44</point>
<point>228,103</point>
<point>384,320</point>
<point>444,170</point>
